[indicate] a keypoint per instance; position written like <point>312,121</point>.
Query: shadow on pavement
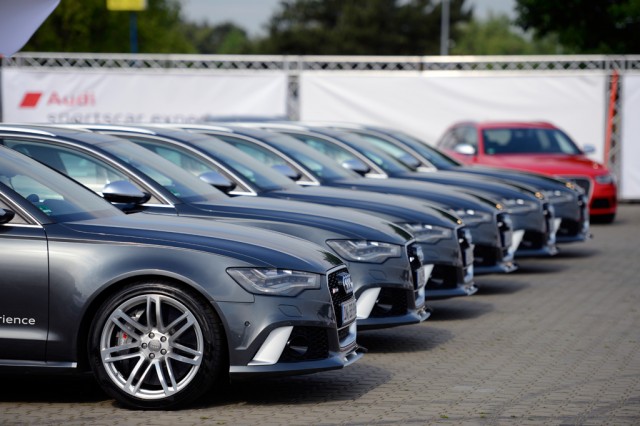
<point>489,286</point>
<point>412,338</point>
<point>51,388</point>
<point>340,385</point>
<point>455,310</point>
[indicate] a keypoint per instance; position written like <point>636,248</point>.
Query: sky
<point>252,15</point>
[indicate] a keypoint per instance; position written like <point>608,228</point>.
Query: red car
<point>537,147</point>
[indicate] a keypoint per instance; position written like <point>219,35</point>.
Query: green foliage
<point>585,26</point>
<point>496,36</point>
<point>87,26</point>
<point>354,27</point>
<point>225,38</point>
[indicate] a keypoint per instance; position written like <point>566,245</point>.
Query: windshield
<point>435,157</point>
<point>57,196</point>
<point>312,155</point>
<point>384,160</point>
<point>180,183</point>
<point>319,166</point>
<point>246,162</point>
<point>527,141</point>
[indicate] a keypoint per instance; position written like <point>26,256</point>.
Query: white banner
<point>630,169</point>
<point>425,105</point>
<point>141,97</point>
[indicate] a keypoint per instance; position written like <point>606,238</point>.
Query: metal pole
<point>444,29</point>
<point>133,31</point>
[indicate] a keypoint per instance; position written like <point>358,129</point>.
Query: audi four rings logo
<point>344,280</point>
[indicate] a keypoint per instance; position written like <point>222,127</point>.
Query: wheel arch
<point>117,285</point>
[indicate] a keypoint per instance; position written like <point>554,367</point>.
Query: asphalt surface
<point>556,343</point>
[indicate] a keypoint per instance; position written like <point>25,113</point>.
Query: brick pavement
<point>556,343</point>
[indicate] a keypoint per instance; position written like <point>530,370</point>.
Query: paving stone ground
<point>556,343</point>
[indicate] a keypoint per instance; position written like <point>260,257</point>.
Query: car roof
<point>509,124</point>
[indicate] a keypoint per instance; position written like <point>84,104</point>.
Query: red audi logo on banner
<point>31,99</point>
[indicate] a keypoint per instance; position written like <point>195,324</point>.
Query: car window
<point>527,140</point>
<point>93,173</point>
<point>17,218</point>
<point>189,161</point>
<point>51,192</point>
<point>329,149</point>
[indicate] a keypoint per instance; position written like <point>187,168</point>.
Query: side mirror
<point>218,181</point>
<point>465,149</point>
<point>6,215</point>
<point>357,166</point>
<point>410,161</point>
<point>589,149</point>
<point>122,191</point>
<point>287,170</point>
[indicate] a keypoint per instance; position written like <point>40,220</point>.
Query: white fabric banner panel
<point>19,19</point>
<point>425,105</point>
<point>143,97</point>
<point>630,161</point>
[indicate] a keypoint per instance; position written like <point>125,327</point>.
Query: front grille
<point>505,227</point>
<point>343,333</point>
<point>582,182</point>
<point>338,293</point>
<point>306,344</point>
<point>415,262</point>
<point>569,228</point>
<point>466,245</point>
<point>443,277</point>
<point>391,302</point>
<point>548,216</point>
<point>487,255</point>
<point>601,203</point>
<point>533,240</point>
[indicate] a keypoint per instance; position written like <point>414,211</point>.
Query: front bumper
<point>389,294</point>
<point>314,331</point>
<point>453,268</point>
<point>540,228</point>
<point>498,258</point>
<point>574,215</point>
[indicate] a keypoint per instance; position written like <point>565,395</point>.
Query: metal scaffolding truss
<point>297,64</point>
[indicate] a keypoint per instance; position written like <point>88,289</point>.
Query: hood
<point>337,222</point>
<point>393,208</point>
<point>534,180</point>
<point>442,195</point>
<point>249,245</point>
<point>550,164</point>
<point>464,182</point>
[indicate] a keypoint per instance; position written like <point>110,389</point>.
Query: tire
<point>154,346</point>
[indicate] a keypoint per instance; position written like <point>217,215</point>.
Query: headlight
<point>557,196</point>
<point>473,217</point>
<point>277,282</point>
<point>605,179</point>
<point>427,233</point>
<point>365,251</point>
<point>518,205</point>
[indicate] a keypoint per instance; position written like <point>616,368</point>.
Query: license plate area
<point>348,311</point>
<point>421,276</point>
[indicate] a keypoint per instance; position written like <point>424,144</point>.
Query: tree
<point>354,27</point>
<point>586,26</point>
<point>225,38</point>
<point>87,26</point>
<point>496,36</point>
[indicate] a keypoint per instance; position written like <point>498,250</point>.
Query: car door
<point>24,285</point>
